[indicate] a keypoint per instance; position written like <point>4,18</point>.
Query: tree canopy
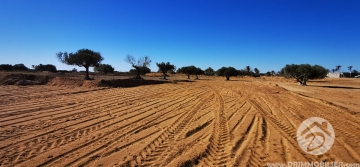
<point>143,71</point>
<point>165,67</point>
<point>82,58</point>
<point>227,72</point>
<point>104,68</point>
<point>19,67</point>
<point>189,70</point>
<point>141,65</point>
<point>47,67</point>
<point>209,71</point>
<point>5,67</point>
<point>303,72</point>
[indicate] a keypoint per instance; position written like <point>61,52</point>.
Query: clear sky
<point>266,34</point>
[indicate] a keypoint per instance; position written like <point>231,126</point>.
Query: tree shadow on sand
<point>114,83</point>
<point>336,87</point>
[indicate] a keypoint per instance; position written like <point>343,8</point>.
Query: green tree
<point>47,67</point>
<point>355,71</point>
<point>257,71</point>
<point>139,65</point>
<point>198,71</point>
<point>5,67</point>
<point>209,71</point>
<point>82,58</point>
<point>143,71</point>
<point>104,68</point>
<point>248,70</point>
<point>19,67</point>
<point>268,74</point>
<point>165,67</point>
<point>303,72</point>
<point>273,73</point>
<point>338,67</point>
<point>227,72</point>
<point>242,72</point>
<point>188,70</point>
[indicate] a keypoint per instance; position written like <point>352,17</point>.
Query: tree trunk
<point>137,73</point>
<point>87,73</point>
<point>197,77</point>
<point>227,78</point>
<point>164,74</point>
<point>188,76</point>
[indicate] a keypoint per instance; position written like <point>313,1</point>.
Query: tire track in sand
<point>218,151</point>
<point>163,146</point>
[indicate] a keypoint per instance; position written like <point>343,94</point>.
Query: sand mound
<point>24,79</point>
<point>76,82</point>
<point>73,82</point>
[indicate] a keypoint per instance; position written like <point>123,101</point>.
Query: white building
<point>335,74</point>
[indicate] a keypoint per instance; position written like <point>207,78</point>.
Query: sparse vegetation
<point>140,66</point>
<point>104,68</point>
<point>19,67</point>
<point>46,67</point>
<point>303,72</point>
<point>5,67</point>
<point>209,71</point>
<point>165,68</point>
<point>82,58</point>
<point>227,72</point>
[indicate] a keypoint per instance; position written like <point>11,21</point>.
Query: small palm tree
<point>350,68</point>
<point>248,70</point>
<point>338,67</point>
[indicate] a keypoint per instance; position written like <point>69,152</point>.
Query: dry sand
<point>210,122</point>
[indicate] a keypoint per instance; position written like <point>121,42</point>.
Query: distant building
<point>335,74</point>
<point>347,74</point>
<point>341,74</point>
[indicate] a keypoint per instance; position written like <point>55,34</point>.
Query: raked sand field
<point>212,122</point>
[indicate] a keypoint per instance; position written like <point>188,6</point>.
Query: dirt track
<point>203,123</point>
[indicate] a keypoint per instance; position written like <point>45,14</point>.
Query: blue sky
<point>260,33</point>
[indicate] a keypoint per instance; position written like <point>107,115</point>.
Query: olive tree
<point>188,70</point>
<point>198,71</point>
<point>227,72</point>
<point>19,67</point>
<point>5,67</point>
<point>303,72</point>
<point>140,65</point>
<point>82,58</point>
<point>105,68</point>
<point>165,67</point>
<point>47,67</point>
<point>209,71</point>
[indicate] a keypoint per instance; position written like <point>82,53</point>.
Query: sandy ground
<point>210,122</point>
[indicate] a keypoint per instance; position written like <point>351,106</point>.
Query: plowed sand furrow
<point>86,97</point>
<point>218,152</point>
<point>289,135</point>
<point>236,110</point>
<point>239,153</point>
<point>49,129</point>
<point>246,122</point>
<point>64,102</point>
<point>346,123</point>
<point>166,145</point>
<point>59,122</point>
<point>155,118</point>
<point>129,117</point>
